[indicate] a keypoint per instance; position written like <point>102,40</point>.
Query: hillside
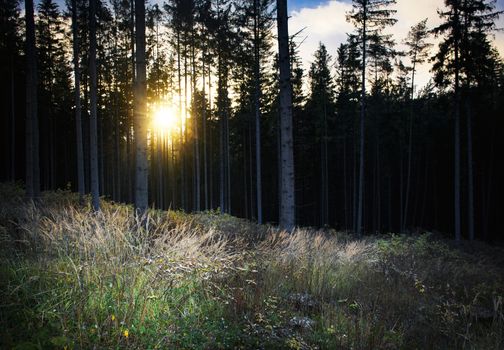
<point>72,279</point>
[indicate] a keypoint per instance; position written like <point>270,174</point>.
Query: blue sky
<point>297,4</point>
<point>325,21</point>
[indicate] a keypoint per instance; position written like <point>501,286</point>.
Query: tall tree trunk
<point>222,152</point>
<point>210,143</point>
<point>345,193</point>
<point>456,181</point>
<point>470,180</point>
<point>101,156</point>
<point>287,207</point>
<point>324,186</point>
<point>248,141</point>
<point>360,198</point>
<point>141,173</point>
<point>410,149</point>
<point>257,91</point>
<point>93,140</point>
<point>354,184</point>
<point>12,123</point>
<point>228,165</point>
<point>32,136</point>
<point>245,175</point>
<point>181,143</point>
<point>197,196</point>
<point>204,126</point>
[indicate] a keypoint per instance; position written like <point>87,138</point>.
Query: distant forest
<point>371,152</point>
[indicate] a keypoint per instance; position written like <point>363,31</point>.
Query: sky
<point>325,21</point>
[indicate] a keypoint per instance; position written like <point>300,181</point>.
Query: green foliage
<point>71,278</point>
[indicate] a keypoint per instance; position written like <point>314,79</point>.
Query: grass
<point>73,279</point>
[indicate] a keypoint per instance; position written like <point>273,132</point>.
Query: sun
<point>164,119</point>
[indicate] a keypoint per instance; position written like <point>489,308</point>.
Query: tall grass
<point>74,279</point>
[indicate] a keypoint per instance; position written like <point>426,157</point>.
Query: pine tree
<point>53,86</point>
<point>418,52</point>
<point>453,61</point>
<point>369,17</point>
<point>10,54</point>
<point>320,107</point>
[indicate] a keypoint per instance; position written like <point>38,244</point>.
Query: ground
<point>74,279</point>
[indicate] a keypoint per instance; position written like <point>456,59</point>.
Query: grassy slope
<point>73,279</point>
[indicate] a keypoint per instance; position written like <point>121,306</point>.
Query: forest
<point>174,174</point>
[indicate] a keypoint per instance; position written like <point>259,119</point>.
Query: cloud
<point>326,23</point>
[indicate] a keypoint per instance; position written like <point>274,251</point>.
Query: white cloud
<point>327,23</point>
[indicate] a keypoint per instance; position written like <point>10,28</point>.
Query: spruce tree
<point>369,17</point>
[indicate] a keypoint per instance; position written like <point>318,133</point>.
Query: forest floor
<point>73,279</point>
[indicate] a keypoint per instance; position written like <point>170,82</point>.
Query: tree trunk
<point>93,126</point>
<point>141,173</point>
<point>257,106</point>
<point>470,180</point>
<point>78,119</point>
<point>228,165</point>
<point>12,123</point>
<point>221,149</point>
<point>197,195</point>
<point>204,127</point>
<point>345,186</point>
<point>360,198</point>
<point>410,150</point>
<point>287,208</point>
<point>456,181</point>
<point>32,136</point>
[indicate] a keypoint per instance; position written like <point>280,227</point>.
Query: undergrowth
<point>74,279</point>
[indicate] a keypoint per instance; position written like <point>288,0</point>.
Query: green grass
<point>77,280</point>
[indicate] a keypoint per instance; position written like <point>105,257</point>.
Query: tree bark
<point>78,119</point>
<point>257,105</point>
<point>32,136</point>
<point>204,127</point>
<point>141,176</point>
<point>470,179</point>
<point>12,123</point>
<point>287,207</point>
<point>93,140</point>
<point>456,182</point>
<point>410,149</point>
<point>360,198</point>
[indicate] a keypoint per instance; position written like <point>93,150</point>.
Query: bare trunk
<point>196,138</point>
<point>410,150</point>
<point>287,207</point>
<point>228,166</point>
<point>140,107</point>
<point>324,186</point>
<point>12,124</point>
<point>93,138</point>
<point>204,127</point>
<point>345,193</point>
<point>221,147</point>
<point>257,106</point>
<point>32,136</point>
<point>360,198</point>
<point>470,180</point>
<point>456,181</point>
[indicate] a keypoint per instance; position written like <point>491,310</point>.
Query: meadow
<point>74,279</point>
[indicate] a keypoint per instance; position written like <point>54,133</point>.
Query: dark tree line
<point>350,144</point>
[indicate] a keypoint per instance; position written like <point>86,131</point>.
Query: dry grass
<point>76,279</point>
